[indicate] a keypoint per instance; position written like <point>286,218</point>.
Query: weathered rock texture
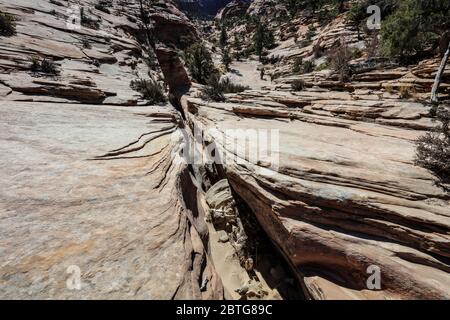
<point>94,187</point>
<point>266,9</point>
<point>234,10</point>
<point>346,194</point>
<point>94,65</point>
<point>92,176</point>
<point>171,25</point>
<point>344,197</point>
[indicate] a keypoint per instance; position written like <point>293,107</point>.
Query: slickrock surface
<point>232,10</point>
<point>87,74</point>
<point>266,8</point>
<point>346,194</point>
<point>95,188</point>
<point>171,25</point>
<point>95,65</point>
<point>92,174</point>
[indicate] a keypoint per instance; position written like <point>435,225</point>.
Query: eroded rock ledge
<point>103,187</point>
<point>89,179</point>
<point>346,194</point>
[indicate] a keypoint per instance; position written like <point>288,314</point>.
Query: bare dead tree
<point>438,79</point>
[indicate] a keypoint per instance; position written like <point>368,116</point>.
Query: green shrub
<point>318,51</point>
<point>322,66</point>
<point>307,66</point>
<point>48,66</point>
<point>88,22</point>
<point>311,32</point>
<point>213,91</point>
<point>7,25</point>
<point>357,53</point>
<point>237,55</point>
<point>301,67</point>
<point>102,5</point>
<point>298,63</point>
<point>326,15</point>
<point>275,76</point>
<point>291,29</point>
<point>272,59</point>
<point>216,89</point>
<point>298,85</point>
<point>433,149</point>
<point>35,64</point>
<point>292,6</point>
<point>237,43</point>
<point>229,87</point>
<point>45,65</point>
<point>308,40</point>
<point>149,89</point>
<point>85,43</point>
<point>248,51</point>
<point>150,59</point>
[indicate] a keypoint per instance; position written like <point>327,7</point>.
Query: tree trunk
<point>444,42</point>
<point>440,72</point>
<point>341,6</point>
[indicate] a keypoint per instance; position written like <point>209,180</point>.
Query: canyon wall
<point>96,183</point>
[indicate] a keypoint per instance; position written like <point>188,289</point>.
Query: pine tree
<point>263,38</point>
<point>356,15</point>
<point>226,58</point>
<point>223,37</point>
<point>199,62</point>
<point>415,27</point>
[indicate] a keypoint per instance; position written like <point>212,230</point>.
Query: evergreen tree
<point>341,5</point>
<point>262,39</point>
<point>237,43</point>
<point>415,27</point>
<point>292,6</point>
<point>199,62</point>
<point>356,15</point>
<point>223,37</point>
<point>226,58</point>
